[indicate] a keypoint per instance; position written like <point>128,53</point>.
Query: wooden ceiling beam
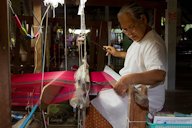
<point>113,3</point>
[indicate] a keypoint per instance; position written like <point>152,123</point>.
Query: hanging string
<point>43,62</point>
<point>40,30</point>
<point>36,18</point>
<point>83,28</point>
<point>81,54</point>
<point>45,43</point>
<point>19,25</point>
<point>44,48</point>
<point>10,5</point>
<point>43,67</point>
<point>82,79</point>
<point>80,58</point>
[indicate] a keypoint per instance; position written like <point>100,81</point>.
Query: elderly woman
<point>145,59</point>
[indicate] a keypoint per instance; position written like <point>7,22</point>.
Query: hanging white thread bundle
<point>82,79</point>
<point>82,85</point>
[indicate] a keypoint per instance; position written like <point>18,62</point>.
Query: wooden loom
<point>137,115</point>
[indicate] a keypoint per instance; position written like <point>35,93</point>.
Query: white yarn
<point>53,3</point>
<point>78,100</point>
<point>82,79</point>
<point>82,74</point>
<point>81,7</point>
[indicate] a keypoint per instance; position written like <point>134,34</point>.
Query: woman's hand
<point>141,98</point>
<point>122,86</point>
<point>125,83</point>
<point>110,50</point>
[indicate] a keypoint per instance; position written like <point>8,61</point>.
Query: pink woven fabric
<point>26,88</point>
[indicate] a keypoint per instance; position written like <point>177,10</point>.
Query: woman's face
<point>132,27</point>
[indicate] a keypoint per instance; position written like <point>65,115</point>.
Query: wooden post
<point>171,40</point>
<point>5,101</point>
<point>38,46</point>
<point>92,49</point>
<point>103,40</point>
<point>137,114</point>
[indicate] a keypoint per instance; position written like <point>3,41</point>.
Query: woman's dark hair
<point>135,9</point>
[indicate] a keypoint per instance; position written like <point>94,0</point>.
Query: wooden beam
<point>151,4</point>
<point>5,100</point>
<point>114,3</point>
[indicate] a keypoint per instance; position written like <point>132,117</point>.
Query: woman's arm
<point>151,77</point>
<point>111,50</point>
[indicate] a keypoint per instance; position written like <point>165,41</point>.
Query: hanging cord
<point>19,25</point>
<point>38,102</point>
<point>36,18</point>
<point>83,28</point>
<point>82,79</point>
<point>80,58</point>
<point>80,54</point>
<point>65,27</point>
<point>12,43</point>
<point>40,29</point>
<point>87,86</point>
<point>10,5</point>
<point>44,51</point>
<point>43,64</point>
<point>41,23</point>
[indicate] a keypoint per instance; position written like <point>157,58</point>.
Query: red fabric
<point>26,88</point>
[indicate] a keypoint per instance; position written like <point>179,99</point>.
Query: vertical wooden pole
<point>171,40</point>
<point>5,100</point>
<point>38,46</point>
<point>103,39</point>
<point>92,49</point>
